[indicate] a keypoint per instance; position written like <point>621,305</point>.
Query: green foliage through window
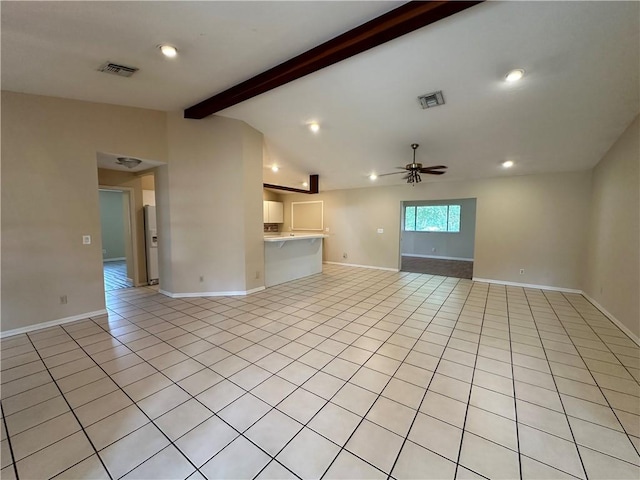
<point>432,218</point>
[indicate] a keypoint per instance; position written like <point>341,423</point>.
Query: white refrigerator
<point>151,244</point>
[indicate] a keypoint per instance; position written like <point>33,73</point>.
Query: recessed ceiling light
<point>314,127</point>
<point>168,50</point>
<point>373,176</point>
<point>305,184</point>
<point>274,168</point>
<point>514,75</point>
<point>507,164</point>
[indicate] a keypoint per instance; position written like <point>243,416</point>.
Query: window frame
<point>415,218</point>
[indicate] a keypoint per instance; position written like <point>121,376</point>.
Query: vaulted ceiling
<point>579,92</point>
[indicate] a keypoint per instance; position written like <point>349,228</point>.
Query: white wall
<point>535,222</point>
<point>457,245</point>
<point>613,260</point>
<point>209,201</point>
<point>50,200</point>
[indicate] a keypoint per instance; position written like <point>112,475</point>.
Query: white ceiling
<point>109,161</point>
<point>580,91</point>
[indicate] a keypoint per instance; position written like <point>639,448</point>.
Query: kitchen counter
<point>285,237</point>
<point>289,257</point>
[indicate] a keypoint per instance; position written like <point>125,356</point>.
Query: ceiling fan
<point>415,169</point>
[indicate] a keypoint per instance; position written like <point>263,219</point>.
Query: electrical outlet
<point>63,299</point>
<point>344,255</point>
<point>522,271</point>
<point>381,230</point>
<point>201,278</point>
<point>104,251</point>
<point>326,229</point>
<point>86,239</point>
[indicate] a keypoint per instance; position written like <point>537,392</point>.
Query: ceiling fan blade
<point>434,167</point>
<point>392,173</point>
<point>432,172</point>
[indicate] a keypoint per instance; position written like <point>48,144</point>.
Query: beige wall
<point>148,182</point>
<point>115,178</point>
<point>209,201</point>
<point>271,196</point>
<point>252,151</point>
<point>210,204</point>
<point>50,200</point>
<point>613,260</point>
<point>535,222</point>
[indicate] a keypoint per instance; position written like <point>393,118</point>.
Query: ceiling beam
<point>400,21</point>
<point>313,186</point>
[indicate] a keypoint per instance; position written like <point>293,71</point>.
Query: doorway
<point>117,243</point>
<point>438,237</point>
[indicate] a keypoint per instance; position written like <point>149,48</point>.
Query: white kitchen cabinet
<point>272,212</point>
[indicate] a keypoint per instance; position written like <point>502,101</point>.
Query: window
<point>432,218</point>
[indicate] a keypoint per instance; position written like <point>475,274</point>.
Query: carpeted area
<point>435,266</point>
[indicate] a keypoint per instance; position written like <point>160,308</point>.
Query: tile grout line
<point>329,401</point>
<point>603,342</point>
<point>151,421</point>
<point>300,299</point>
<point>208,367</point>
<point>592,376</point>
<point>95,451</point>
<point>214,414</point>
<point>312,348</point>
<point>406,438</point>
<point>475,362</point>
<point>564,410</point>
<point>305,425</point>
<point>607,319</point>
<point>13,458</point>
<point>378,395</point>
<point>513,383</point>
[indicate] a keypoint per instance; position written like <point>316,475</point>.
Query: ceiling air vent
<point>431,99</point>
<point>120,70</point>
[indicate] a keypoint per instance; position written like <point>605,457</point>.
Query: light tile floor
<point>353,373</point>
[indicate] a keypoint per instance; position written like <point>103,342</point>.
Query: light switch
<point>381,230</point>
<point>86,239</point>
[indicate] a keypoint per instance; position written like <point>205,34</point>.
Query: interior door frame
<point>403,204</point>
<point>129,195</point>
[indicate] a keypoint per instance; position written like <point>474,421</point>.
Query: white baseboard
<point>210,294</point>
<point>617,322</point>
<point>437,257</point>
<point>527,285</point>
<point>363,266</point>
<point>52,323</point>
<point>117,259</point>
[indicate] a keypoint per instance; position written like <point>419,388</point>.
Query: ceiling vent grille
<point>431,99</point>
<point>120,70</point>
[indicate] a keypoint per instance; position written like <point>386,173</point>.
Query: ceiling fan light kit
<point>414,169</point>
